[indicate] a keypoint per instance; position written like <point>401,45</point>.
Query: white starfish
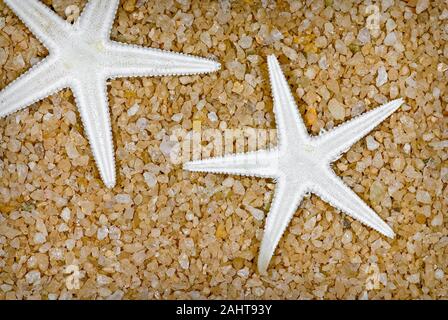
<point>300,164</point>
<point>82,57</point>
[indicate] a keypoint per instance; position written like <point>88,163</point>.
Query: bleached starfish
<point>300,164</point>
<point>82,57</point>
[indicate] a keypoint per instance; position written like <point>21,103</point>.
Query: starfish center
<point>77,53</point>
<point>304,157</point>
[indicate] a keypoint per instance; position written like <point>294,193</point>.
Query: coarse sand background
<point>164,233</point>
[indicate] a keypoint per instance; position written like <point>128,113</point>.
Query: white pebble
<point>393,91</point>
<point>102,280</point>
<point>390,25</point>
<point>166,146</point>
<point>133,110</point>
<point>184,261</point>
<point>414,278</point>
<point>386,4</point>
<point>56,254</point>
<point>19,62</point>
<point>437,221</point>
<point>329,28</point>
<point>253,58</point>
<point>439,274</point>
<point>71,150</point>
<point>336,109</point>
<point>3,56</point>
<point>117,295</point>
<point>102,233</point>
<point>444,174</point>
<point>243,273</point>
<point>358,108</point>
<point>310,223</point>
<point>422,5</point>
<point>63,227</point>
<point>150,179</point>
<point>142,123</point>
<point>256,213</point>
<point>206,39</point>
<point>5,287</point>
<point>238,187</point>
<point>423,196</point>
<point>444,14</point>
<point>407,148</point>
<point>32,277</point>
<point>228,182</point>
<point>52,296</point>
<point>39,238</point>
<point>177,117</point>
<point>372,144</point>
<point>428,136</point>
<point>200,104</point>
<point>323,64</point>
<point>65,214</point>
<point>212,116</point>
<point>237,68</point>
<point>436,93</point>
<point>364,296</point>
<point>258,291</point>
<point>364,36</point>
<point>410,81</point>
<point>189,216</point>
<point>123,198</point>
<point>276,35</point>
<point>70,116</point>
<point>70,244</point>
<point>347,237</point>
<point>390,39</point>
<point>245,42</point>
<point>310,73</point>
<point>290,53</point>
<point>382,76</point>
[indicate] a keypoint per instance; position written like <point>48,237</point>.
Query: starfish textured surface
<point>82,57</point>
<point>300,164</point>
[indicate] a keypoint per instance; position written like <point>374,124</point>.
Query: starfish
<point>82,57</point>
<point>300,164</point>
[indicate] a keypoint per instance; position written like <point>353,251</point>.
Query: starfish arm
<point>340,139</point>
<point>256,164</point>
<point>290,125</point>
<point>45,24</point>
<point>91,98</point>
<point>131,61</point>
<point>284,204</point>
<point>333,190</point>
<point>98,17</point>
<point>41,81</point>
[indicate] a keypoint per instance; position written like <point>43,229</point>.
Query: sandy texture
<point>163,233</point>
